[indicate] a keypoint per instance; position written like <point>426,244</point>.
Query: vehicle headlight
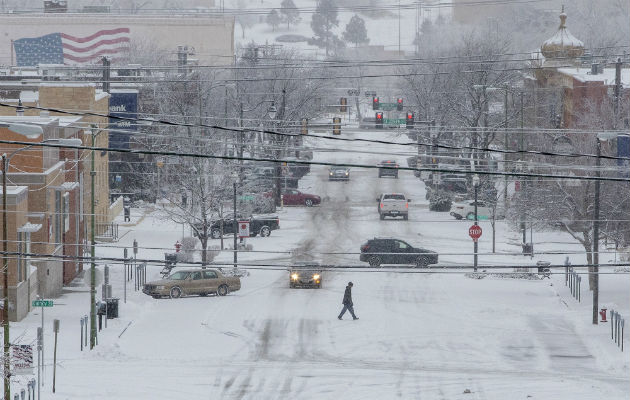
<point>331,173</point>
<point>295,277</point>
<point>316,276</point>
<point>346,174</point>
<point>160,287</point>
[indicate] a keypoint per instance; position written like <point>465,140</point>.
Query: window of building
<point>24,247</point>
<point>66,212</point>
<point>57,221</point>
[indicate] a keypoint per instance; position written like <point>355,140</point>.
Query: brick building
<point>22,278</point>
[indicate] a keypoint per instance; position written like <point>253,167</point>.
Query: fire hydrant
<point>602,313</point>
<point>178,247</point>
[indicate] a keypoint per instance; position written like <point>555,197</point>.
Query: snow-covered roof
<point>14,190</point>
<point>607,76</point>
<point>30,228</point>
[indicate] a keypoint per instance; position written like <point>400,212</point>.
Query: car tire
<point>175,292</point>
<point>215,234</point>
<point>422,262</point>
<point>203,294</point>
<point>405,217</point>
<point>308,203</point>
<point>457,216</point>
<point>470,215</point>
<point>382,216</point>
<point>375,261</point>
<point>223,290</point>
<point>265,231</point>
<point>157,297</point>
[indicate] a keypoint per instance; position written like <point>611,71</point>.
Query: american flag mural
<point>61,48</point>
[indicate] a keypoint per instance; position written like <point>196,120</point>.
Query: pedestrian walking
<point>347,302</point>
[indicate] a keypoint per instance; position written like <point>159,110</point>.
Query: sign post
<point>42,303</point>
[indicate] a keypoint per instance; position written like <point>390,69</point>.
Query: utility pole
<point>507,145</point>
<point>92,253</point>
<point>617,91</point>
<point>5,292</point>
<point>235,229</point>
<point>596,234</point>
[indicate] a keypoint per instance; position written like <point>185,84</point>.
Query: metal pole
<point>235,230</point>
<point>92,255</point>
<point>40,335</point>
<point>596,235</point>
<point>476,243</point>
<point>5,290</point>
<point>521,148</point>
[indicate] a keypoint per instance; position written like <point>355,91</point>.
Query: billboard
<point>122,103</point>
<point>623,150</point>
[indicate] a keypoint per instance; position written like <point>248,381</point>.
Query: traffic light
<point>304,126</point>
<point>399,104</point>
<point>379,120</point>
<point>336,126</point>
<point>409,120</point>
<point>376,104</point>
<point>344,102</point>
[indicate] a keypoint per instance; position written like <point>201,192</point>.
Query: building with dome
<point>570,89</point>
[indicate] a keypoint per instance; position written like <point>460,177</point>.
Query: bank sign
<point>123,103</point>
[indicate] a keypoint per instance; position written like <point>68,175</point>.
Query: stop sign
<point>475,232</point>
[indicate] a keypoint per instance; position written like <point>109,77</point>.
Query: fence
<point>107,231</point>
<point>616,328</point>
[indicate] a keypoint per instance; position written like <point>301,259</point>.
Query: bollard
<point>623,322</point>
<point>82,333</point>
<point>612,324</point>
<point>86,330</point>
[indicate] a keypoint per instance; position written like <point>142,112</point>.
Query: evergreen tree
<point>274,19</point>
<point>355,31</point>
<point>290,12</point>
<point>324,20</point>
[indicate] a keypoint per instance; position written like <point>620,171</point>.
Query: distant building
<point>210,38</point>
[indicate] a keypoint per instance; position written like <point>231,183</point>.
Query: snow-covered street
<point>432,334</point>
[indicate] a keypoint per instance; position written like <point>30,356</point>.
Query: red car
<point>294,197</point>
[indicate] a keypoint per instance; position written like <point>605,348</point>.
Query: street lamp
<point>601,137</point>
<point>475,180</point>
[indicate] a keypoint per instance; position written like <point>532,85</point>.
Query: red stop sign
<point>475,232</point>
<point>243,226</point>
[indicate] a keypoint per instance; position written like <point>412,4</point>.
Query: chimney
<point>19,111</point>
<point>594,68</point>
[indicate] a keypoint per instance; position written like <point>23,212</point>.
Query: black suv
<point>379,251</point>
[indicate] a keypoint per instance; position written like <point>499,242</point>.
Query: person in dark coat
<point>347,302</point>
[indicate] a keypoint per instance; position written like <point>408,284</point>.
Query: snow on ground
<point>430,335</point>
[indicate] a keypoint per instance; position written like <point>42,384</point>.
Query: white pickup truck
<point>393,205</point>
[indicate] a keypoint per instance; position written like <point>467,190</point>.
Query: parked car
<point>379,251</point>
<point>294,197</point>
<point>305,275</point>
<point>258,225</point>
<point>388,168</point>
<point>467,210</point>
<point>393,205</point>
<point>339,174</point>
<point>187,282</point>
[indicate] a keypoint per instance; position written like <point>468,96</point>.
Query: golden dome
<point>563,44</point>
